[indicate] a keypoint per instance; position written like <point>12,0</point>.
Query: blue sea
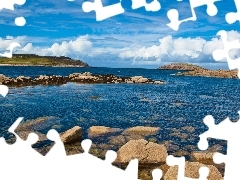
<point>181,101</point>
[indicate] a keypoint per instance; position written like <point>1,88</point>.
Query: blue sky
<point>136,38</point>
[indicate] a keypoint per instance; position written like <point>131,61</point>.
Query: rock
<point>210,73</point>
<point>136,78</point>
<point>142,130</point>
<point>101,130</point>
<point>146,152</point>
<point>191,171</point>
<point>24,135</point>
<point>142,80</point>
<point>203,157</point>
<point>86,77</point>
<point>117,140</point>
<point>72,135</point>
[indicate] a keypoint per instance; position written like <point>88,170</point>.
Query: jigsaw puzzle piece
<point>220,54</point>
<point>180,162</point>
<point>10,4</point>
<point>232,17</point>
<point>58,149</point>
<point>173,14</point>
<point>103,169</point>
<point>153,6</point>
<point>157,174</point>
<point>229,131</point>
<point>10,48</point>
<point>103,12</point>
<point>4,90</point>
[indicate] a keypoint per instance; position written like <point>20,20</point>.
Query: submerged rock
<point>142,130</point>
<point>101,130</point>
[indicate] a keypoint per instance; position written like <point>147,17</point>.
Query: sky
<point>134,38</point>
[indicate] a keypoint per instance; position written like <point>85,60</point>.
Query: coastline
<point>30,65</point>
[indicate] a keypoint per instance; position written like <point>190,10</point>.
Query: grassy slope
<point>40,60</point>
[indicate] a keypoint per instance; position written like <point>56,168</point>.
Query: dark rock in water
<point>84,78</point>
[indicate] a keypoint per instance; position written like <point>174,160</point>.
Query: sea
<point>180,102</point>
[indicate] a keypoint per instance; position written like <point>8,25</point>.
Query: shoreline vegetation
<point>194,70</point>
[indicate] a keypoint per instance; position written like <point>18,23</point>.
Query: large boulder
<point>72,135</point>
<point>146,152</point>
<point>192,171</point>
<point>142,130</point>
<point>101,130</point>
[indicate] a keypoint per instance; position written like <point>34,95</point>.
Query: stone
<point>146,152</point>
<point>203,157</point>
<point>72,135</point>
<point>101,130</point>
<point>117,140</point>
<point>142,130</point>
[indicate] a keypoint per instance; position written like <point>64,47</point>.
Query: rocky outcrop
<point>191,171</point>
<point>181,66</point>
<point>95,131</point>
<point>86,77</point>
<point>72,135</point>
<point>211,73</point>
<point>147,153</point>
<point>141,130</point>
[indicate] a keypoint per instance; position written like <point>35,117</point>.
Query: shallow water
<point>182,101</point>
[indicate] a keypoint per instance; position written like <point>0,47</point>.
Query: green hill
<point>35,60</point>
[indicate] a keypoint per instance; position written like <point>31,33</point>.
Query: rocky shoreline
<point>130,143</point>
<point>211,73</point>
<point>181,66</point>
<point>84,78</point>
<point>194,70</point>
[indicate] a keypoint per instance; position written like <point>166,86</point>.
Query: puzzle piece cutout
<point>157,174</point>
<point>25,162</point>
<point>9,4</point>
<point>225,130</point>
<point>153,6</point>
<point>103,12</point>
<point>4,90</point>
<point>173,14</point>
<point>232,17</point>
<point>220,54</point>
<point>180,162</point>
<point>10,48</point>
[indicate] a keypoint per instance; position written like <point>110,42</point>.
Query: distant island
<point>181,66</point>
<point>35,60</point>
<point>194,70</point>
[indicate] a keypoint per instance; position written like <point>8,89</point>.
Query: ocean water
<point>180,102</point>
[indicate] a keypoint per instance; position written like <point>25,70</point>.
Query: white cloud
<point>169,49</point>
<point>194,50</point>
